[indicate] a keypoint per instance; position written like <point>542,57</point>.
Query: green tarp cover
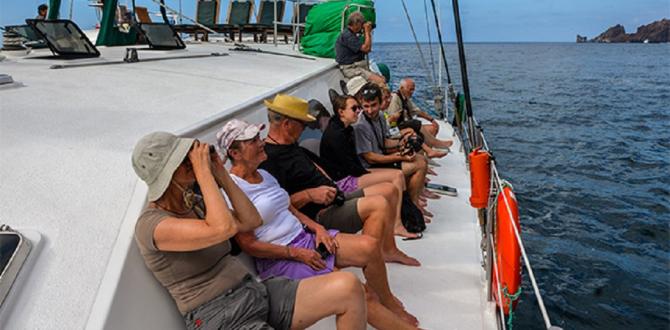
<point>324,24</point>
<point>109,34</point>
<point>54,9</point>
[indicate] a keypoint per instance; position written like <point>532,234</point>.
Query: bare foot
<point>402,232</point>
<point>398,256</point>
<point>444,143</point>
<point>426,212</point>
<point>404,315</point>
<point>430,171</point>
<point>430,194</point>
<point>427,219</point>
<point>436,154</point>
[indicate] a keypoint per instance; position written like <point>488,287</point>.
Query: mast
<point>464,74</point>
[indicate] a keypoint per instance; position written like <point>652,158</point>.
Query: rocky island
<point>655,32</point>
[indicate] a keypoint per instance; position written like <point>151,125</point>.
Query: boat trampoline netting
<point>325,22</point>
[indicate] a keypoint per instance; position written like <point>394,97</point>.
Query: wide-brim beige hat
<point>290,106</point>
<point>155,159</point>
<point>355,84</point>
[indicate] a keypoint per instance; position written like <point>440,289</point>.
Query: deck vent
<point>5,79</point>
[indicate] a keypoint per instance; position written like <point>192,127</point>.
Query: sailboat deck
<point>66,137</point>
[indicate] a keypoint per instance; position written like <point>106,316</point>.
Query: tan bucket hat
<point>290,106</point>
<point>155,158</point>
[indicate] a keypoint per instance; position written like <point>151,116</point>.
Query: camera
<point>339,198</point>
<point>412,145</point>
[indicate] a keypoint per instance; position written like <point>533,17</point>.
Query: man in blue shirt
<point>350,51</point>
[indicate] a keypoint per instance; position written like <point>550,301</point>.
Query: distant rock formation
<point>581,39</point>
<point>655,32</point>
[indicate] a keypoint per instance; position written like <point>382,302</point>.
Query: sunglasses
<point>356,108</point>
<point>370,92</point>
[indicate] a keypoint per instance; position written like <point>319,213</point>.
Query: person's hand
<point>199,158</point>
<point>408,158</point>
<point>218,168</point>
<point>367,26</point>
<point>323,195</point>
<point>309,257</point>
<point>322,236</point>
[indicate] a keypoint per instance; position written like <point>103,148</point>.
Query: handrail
<point>497,187</point>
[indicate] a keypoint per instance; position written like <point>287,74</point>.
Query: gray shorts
<point>251,305</point>
<point>344,218</point>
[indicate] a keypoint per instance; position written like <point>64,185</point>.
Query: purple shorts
<point>295,269</point>
<point>348,184</point>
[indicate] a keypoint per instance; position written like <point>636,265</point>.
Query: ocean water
<point>582,131</point>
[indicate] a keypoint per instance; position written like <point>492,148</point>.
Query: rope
<point>439,36</point>
<point>430,41</point>
<point>511,299</point>
<point>495,271</point>
<point>416,41</point>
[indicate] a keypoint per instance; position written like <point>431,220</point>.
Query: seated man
<point>350,51</point>
<point>42,11</point>
<point>313,192</point>
<point>283,247</point>
<point>376,150</point>
<point>402,110</point>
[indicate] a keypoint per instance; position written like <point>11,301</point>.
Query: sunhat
<point>235,130</point>
<point>355,84</point>
<point>290,106</point>
<point>155,158</point>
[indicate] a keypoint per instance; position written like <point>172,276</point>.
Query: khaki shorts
<point>344,218</point>
<point>251,305</point>
<point>356,69</point>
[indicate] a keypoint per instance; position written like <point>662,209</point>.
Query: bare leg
<point>432,141</point>
<point>363,251</point>
<point>338,293</point>
<point>381,317</point>
<point>378,223</point>
<point>396,177</point>
<point>416,173</point>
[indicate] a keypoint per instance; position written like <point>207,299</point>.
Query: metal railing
<point>478,140</point>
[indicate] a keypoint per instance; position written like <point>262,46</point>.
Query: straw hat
<point>290,106</point>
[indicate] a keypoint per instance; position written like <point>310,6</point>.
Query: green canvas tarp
<point>109,35</point>
<point>324,24</point>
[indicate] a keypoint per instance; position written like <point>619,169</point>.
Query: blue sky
<point>482,20</point>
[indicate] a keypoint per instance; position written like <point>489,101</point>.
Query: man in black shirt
<point>312,192</point>
<point>350,51</point>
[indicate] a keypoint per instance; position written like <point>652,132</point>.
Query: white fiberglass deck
<point>66,137</point>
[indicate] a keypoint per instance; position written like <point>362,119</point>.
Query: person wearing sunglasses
<point>376,150</point>
<point>313,192</point>
<point>341,162</point>
<point>184,241</point>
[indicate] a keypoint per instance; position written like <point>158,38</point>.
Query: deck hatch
<point>64,38</point>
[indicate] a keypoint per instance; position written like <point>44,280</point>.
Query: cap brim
<point>250,132</point>
<point>180,151</point>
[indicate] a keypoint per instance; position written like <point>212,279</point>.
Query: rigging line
<point>416,41</point>
<point>430,41</point>
<point>439,37</point>
<point>531,275</point>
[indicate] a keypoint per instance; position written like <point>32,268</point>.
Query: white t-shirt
<point>279,226</point>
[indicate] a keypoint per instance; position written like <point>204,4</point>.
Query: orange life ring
<point>508,252</point>
<point>480,178</point>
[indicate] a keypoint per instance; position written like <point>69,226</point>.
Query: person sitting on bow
<point>402,110</point>
<point>283,247</point>
<point>350,51</point>
<point>184,241</point>
<point>314,193</point>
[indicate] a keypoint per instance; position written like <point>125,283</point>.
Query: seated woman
<point>338,151</point>
<point>284,248</point>
<point>188,251</point>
